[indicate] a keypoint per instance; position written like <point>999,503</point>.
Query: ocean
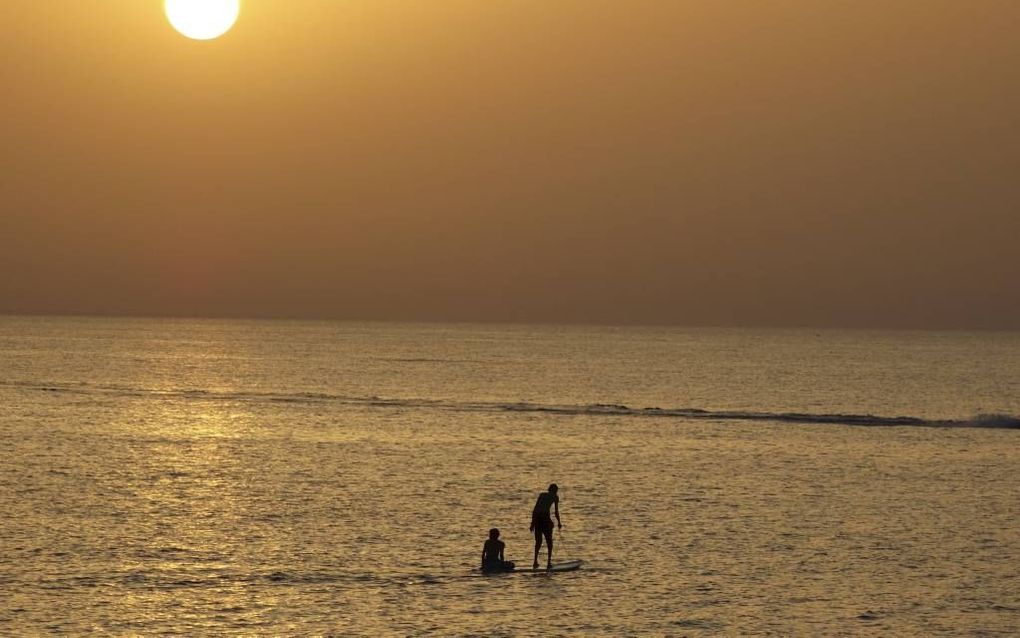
<point>217,477</point>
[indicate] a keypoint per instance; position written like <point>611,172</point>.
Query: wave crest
<point>1000,421</point>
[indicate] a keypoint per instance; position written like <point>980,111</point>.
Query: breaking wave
<point>1002,421</point>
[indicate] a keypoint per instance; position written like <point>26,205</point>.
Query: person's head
<point>553,488</point>
<point>493,533</point>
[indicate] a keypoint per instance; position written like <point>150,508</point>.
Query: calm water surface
<point>217,477</point>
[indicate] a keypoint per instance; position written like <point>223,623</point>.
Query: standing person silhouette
<point>541,522</point>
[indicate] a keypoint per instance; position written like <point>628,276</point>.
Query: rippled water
<point>169,477</point>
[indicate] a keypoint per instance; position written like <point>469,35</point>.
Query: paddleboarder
<point>541,522</point>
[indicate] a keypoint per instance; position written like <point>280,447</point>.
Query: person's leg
<point>538,544</point>
<point>549,545</point>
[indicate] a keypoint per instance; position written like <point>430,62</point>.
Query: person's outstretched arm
<point>556,506</point>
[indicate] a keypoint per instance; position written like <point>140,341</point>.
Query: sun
<point>202,19</point>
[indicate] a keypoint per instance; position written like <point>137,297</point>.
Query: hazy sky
<point>721,162</point>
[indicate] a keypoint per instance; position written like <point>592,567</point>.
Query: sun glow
<point>202,19</point>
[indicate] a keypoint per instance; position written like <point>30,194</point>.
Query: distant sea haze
<point>679,162</point>
<point>836,377</point>
<point>286,477</point>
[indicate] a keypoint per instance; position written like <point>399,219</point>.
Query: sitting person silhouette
<point>492,554</point>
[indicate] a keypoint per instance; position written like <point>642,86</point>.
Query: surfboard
<point>567,566</point>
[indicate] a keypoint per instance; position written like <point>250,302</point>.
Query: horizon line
<point>501,322</point>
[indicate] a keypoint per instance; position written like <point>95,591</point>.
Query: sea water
<point>168,477</point>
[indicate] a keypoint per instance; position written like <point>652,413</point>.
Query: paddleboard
<point>567,566</point>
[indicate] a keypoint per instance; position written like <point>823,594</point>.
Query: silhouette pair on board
<point>494,550</point>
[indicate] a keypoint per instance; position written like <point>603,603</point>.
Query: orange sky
<point>802,162</point>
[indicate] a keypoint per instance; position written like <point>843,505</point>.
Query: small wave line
<point>1002,421</point>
